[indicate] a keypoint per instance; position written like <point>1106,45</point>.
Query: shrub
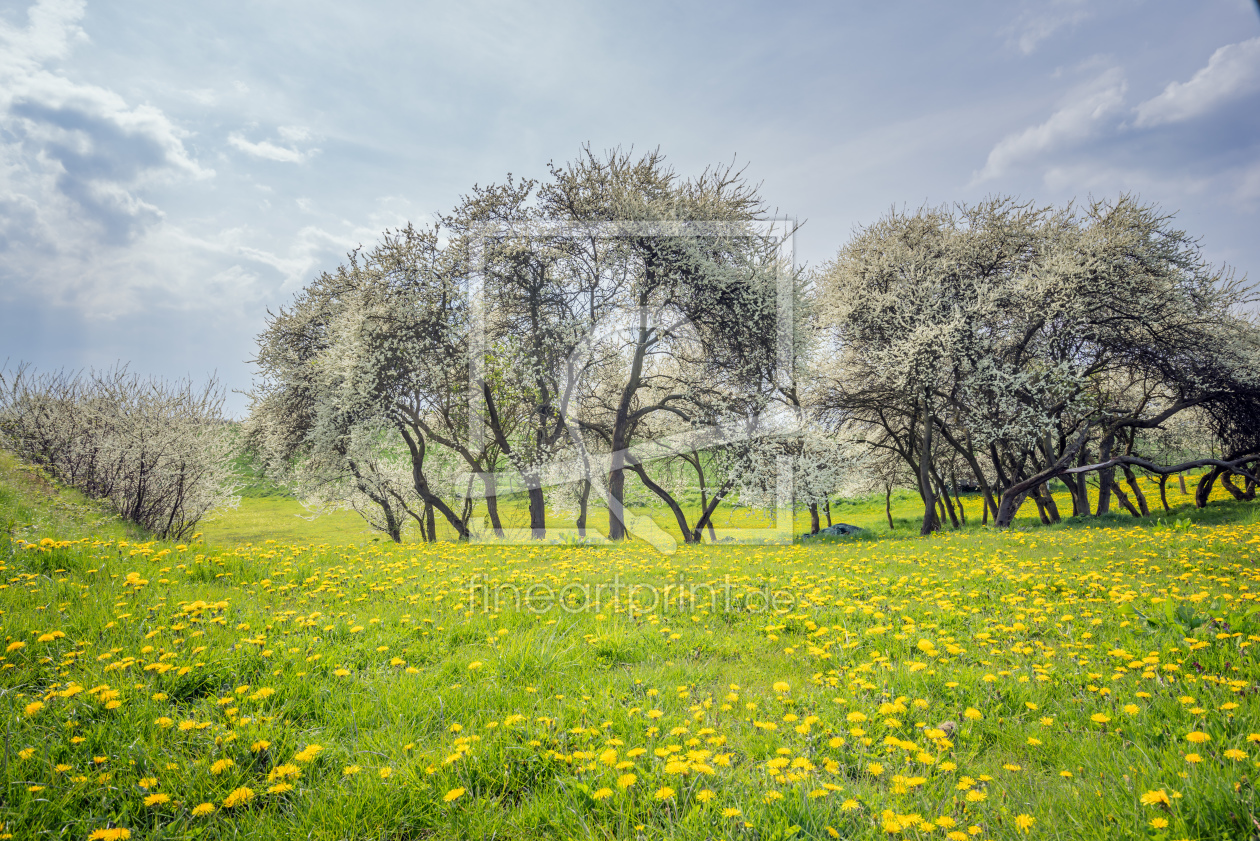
<point>160,453</point>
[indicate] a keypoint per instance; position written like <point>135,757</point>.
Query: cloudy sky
<point>168,171</point>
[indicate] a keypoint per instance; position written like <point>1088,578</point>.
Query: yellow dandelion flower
<point>704,795</point>
<point>664,793</point>
<point>308,753</point>
<point>602,793</point>
<point>1024,822</point>
<point>203,809</point>
<point>157,799</point>
<point>453,794</point>
<point>286,771</point>
<point>118,833</point>
<point>238,797</point>
<point>1198,737</point>
<point>626,780</point>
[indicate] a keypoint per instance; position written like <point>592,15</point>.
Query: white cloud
<point>1078,119</point>
<point>54,24</point>
<point>79,154</point>
<point>1041,21</point>
<point>294,134</point>
<point>270,151</point>
<point>1231,72</point>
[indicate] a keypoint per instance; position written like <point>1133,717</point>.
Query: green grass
<point>267,512</point>
<point>33,505</point>
<point>1054,672</point>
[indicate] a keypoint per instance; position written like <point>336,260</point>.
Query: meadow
<point>1092,679</point>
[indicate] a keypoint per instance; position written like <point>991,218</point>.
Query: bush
<point>160,453</point>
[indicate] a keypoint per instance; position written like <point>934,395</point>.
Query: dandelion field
<point>1063,682</point>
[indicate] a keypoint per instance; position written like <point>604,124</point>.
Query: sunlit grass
<point>1040,683</point>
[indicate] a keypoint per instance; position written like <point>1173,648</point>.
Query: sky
<point>171,171</point>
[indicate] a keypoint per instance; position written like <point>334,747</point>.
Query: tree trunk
<point>827,508</point>
<point>813,518</point>
<point>1204,490</point>
<point>1074,492</point>
<point>416,446</point>
<point>665,497</point>
<point>1014,495</point>
<point>1132,481</point>
<point>1041,506</point>
<point>945,504</point>
<point>1234,490</point>
<point>492,502</point>
<point>1124,500</point>
<point>708,512</point>
<point>930,521</point>
<point>943,492</point>
<point>1009,507</point>
<point>1181,478</point>
<point>1082,485</point>
<point>965,450</point>
<point>888,507</point>
<point>620,438</point>
<point>1163,492</point>
<point>962,512</point>
<point>1052,508</point>
<point>537,510</point>
<point>583,500</point>
<point>1105,475</point>
<point>704,506</point>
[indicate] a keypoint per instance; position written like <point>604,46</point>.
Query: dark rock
<point>837,530</point>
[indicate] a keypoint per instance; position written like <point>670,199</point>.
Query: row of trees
<point>551,337</point>
<point>1010,345</point>
<point>540,336</point>
<point>160,454</point>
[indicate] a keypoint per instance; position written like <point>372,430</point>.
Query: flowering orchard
<point>1056,682</point>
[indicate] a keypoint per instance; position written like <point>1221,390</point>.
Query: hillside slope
<point>33,505</point>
